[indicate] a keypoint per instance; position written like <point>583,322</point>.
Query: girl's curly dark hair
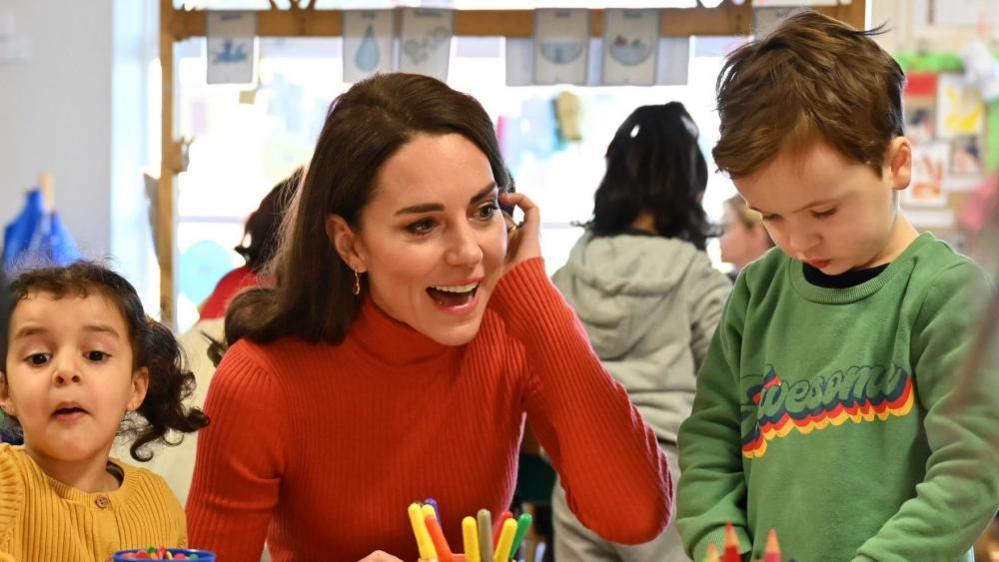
<point>153,345</point>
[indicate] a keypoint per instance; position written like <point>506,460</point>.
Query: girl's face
<point>69,375</point>
<point>741,244</point>
<point>432,238</point>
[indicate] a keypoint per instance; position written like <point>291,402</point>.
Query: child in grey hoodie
<point>647,294</point>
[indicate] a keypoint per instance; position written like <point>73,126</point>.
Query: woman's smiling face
<point>432,240</point>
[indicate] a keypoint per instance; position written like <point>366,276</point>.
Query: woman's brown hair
<point>364,127</point>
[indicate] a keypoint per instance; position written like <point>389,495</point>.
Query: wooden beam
<point>164,192</point>
<point>727,19</point>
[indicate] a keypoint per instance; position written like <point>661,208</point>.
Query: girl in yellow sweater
<point>82,364</point>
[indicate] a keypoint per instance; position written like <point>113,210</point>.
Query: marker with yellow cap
<point>423,542</point>
<point>506,540</point>
<point>470,535</point>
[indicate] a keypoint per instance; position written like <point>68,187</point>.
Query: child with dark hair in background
<point>260,236</point>
<point>834,406</point>
<point>200,342</point>
<point>647,294</point>
<point>82,363</point>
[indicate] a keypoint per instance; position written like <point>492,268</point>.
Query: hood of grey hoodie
<point>615,283</point>
<point>638,298</point>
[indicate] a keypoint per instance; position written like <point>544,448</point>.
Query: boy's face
<point>69,377</point>
<point>832,212</point>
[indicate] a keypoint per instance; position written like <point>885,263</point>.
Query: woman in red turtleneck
<point>411,330</point>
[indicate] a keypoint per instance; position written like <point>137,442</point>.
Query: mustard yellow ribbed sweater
<point>43,520</point>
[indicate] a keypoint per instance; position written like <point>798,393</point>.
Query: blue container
<point>202,554</point>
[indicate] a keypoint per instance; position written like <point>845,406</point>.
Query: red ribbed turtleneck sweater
<point>320,448</point>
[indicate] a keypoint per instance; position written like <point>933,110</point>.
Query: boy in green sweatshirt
<point>832,406</point>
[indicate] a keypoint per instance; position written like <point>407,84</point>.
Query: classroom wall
<point>74,102</point>
<point>55,112</point>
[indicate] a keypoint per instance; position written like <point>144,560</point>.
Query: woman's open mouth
<point>453,296</point>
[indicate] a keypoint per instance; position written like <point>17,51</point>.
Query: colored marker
<point>498,526</point>
<point>485,524</point>
<point>506,540</point>
<point>428,511</point>
<point>523,524</point>
<point>772,552</point>
<point>731,550</point>
<point>433,503</point>
<point>470,536</point>
<point>712,554</point>
<point>423,541</point>
<point>444,553</point>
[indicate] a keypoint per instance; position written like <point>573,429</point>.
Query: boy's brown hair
<point>813,78</point>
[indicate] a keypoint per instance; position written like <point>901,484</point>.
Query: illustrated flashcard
<point>231,42</point>
<point>367,43</point>
<point>960,108</point>
<point>929,168</point>
<point>426,41</point>
<point>631,42</point>
<point>561,41</point>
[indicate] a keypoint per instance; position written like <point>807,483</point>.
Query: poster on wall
<point>929,168</point>
<point>561,38</point>
<point>960,108</point>
<point>425,41</point>
<point>631,43</point>
<point>367,43</point>
<point>231,46</point>
<point>919,104</point>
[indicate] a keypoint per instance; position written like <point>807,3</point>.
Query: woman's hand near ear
<point>525,238</point>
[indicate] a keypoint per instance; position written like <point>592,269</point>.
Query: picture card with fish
<point>232,47</point>
<point>561,41</point>
<point>425,41</point>
<point>631,43</point>
<point>367,43</point>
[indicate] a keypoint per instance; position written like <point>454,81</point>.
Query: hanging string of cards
<point>562,49</point>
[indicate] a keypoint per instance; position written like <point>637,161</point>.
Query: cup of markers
<point>163,553</point>
<point>483,540</point>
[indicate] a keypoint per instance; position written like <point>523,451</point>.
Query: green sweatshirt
<point>842,418</point>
